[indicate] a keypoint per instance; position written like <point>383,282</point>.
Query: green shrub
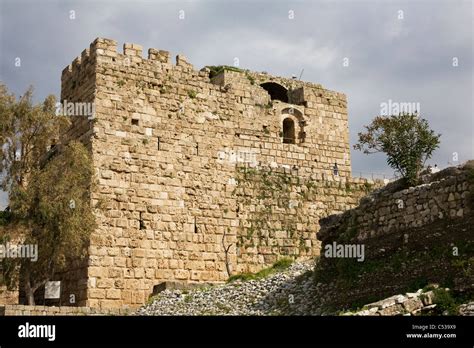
<point>278,266</point>
<point>445,302</point>
<point>217,69</point>
<point>251,79</point>
<point>192,94</point>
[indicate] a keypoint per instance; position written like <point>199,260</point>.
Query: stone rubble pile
<point>467,309</point>
<point>408,304</point>
<point>283,293</point>
<point>290,292</point>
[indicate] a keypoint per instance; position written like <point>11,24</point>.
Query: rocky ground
<point>416,303</point>
<point>467,309</point>
<point>283,293</point>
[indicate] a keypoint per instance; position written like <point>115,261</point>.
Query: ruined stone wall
<point>392,213</point>
<point>8,296</point>
<point>411,238</point>
<point>179,159</point>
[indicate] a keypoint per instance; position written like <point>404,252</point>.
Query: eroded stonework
<point>197,176</point>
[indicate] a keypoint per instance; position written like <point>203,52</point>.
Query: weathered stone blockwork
<point>411,237</point>
<point>8,296</point>
<point>392,213</point>
<point>22,310</point>
<point>185,166</point>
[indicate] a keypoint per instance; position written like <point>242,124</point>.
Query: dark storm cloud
<point>405,60</point>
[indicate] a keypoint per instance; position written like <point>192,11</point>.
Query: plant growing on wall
<point>217,69</point>
<point>228,266</point>
<point>271,190</point>
<point>406,139</point>
<point>192,94</point>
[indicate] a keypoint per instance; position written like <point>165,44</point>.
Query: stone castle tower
<point>200,173</point>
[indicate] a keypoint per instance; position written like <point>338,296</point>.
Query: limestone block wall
<point>278,213</point>
<point>411,238</point>
<point>78,85</point>
<point>391,213</point>
<point>180,158</point>
<point>13,234</point>
<point>22,310</point>
<point>8,296</point>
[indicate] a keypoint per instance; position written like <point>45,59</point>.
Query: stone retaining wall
<point>410,238</point>
<point>20,310</point>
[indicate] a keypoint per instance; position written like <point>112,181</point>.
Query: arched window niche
<point>289,131</point>
<point>293,126</point>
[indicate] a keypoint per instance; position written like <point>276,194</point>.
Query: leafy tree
<point>406,139</point>
<point>26,132</point>
<point>49,191</point>
<point>57,207</point>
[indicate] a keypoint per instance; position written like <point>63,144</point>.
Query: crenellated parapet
<point>105,51</point>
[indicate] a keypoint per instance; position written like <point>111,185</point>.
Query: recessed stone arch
<point>294,132</point>
<point>293,111</point>
<point>276,91</point>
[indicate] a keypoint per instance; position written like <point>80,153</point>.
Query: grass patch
<point>282,264</point>
<point>217,69</point>
<point>192,94</point>
<point>251,79</point>
<point>445,301</point>
<point>278,266</point>
<point>188,299</point>
<point>152,299</point>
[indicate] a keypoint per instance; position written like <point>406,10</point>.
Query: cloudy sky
<point>403,51</point>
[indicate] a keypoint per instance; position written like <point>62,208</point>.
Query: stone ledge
<point>22,310</point>
<point>171,285</point>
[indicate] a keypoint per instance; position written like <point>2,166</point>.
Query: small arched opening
<point>297,128</point>
<point>288,131</point>
<point>276,91</point>
<point>293,111</point>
